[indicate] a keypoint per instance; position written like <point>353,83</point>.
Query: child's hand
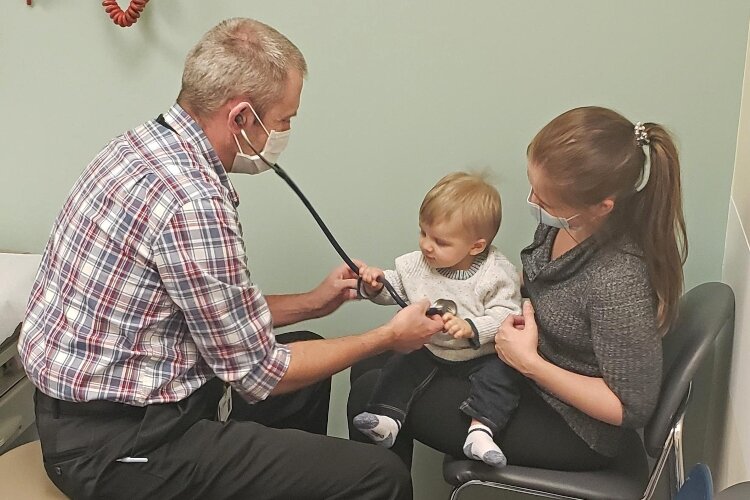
<point>457,327</point>
<point>371,277</point>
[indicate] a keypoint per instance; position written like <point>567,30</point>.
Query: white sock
<point>480,446</point>
<point>381,429</point>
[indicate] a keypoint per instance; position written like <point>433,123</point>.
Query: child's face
<point>447,244</point>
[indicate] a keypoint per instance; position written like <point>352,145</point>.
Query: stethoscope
<point>440,306</point>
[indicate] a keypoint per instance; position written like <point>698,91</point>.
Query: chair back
<point>706,312</point>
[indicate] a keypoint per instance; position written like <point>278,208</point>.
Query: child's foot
<point>381,429</point>
<point>480,446</point>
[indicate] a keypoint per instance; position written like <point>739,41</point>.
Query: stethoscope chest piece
<point>442,306</point>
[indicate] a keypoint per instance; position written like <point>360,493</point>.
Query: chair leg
<point>671,474</point>
<point>665,460</point>
<point>679,463</point>
<point>507,487</point>
<point>454,493</point>
<point>460,487</point>
<point>675,466</point>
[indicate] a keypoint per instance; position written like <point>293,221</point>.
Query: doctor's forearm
<point>316,360</point>
<point>290,309</point>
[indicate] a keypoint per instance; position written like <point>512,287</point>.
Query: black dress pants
<point>265,451</point>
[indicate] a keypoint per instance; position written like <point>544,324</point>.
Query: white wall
<point>736,272</point>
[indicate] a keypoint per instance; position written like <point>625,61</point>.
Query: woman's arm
<point>625,340</point>
<point>516,344</point>
<point>591,395</point>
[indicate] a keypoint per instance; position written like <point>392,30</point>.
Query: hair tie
<point>642,140</point>
<point>641,137</point>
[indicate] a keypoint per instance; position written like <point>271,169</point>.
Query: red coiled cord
<point>127,18</point>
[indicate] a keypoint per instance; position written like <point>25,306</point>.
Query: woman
<point>603,277</point>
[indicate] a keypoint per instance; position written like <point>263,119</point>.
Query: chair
<point>698,486</point>
<point>706,312</point>
<point>22,474</point>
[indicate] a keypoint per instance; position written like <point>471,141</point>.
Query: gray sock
<point>381,429</point>
<point>480,446</point>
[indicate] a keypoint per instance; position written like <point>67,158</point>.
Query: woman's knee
<point>368,364</point>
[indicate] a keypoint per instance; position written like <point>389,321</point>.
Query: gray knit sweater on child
<point>486,293</point>
<point>595,309</point>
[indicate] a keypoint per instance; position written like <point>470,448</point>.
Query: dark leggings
<point>535,436</point>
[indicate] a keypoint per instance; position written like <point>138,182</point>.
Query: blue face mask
<point>546,218</point>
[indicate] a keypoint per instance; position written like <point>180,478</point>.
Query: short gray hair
<point>238,57</point>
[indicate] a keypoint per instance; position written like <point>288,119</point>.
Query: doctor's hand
<point>456,327</point>
<point>517,341</point>
<point>339,286</point>
<point>411,328</point>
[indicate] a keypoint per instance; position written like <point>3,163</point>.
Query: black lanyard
<point>232,193</point>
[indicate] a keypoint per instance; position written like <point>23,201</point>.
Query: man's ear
<point>478,247</point>
<point>240,116</point>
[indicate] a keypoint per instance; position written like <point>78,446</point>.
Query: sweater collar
<point>464,274</point>
<point>537,257</point>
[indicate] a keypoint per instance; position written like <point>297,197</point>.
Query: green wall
<point>399,93</point>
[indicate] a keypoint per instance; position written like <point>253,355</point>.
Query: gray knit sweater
<point>596,313</point>
<point>486,293</point>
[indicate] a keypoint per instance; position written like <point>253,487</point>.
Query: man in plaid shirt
<point>144,313</point>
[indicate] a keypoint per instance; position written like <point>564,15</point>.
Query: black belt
<point>58,407</point>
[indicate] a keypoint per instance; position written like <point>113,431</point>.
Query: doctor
<point>143,313</point>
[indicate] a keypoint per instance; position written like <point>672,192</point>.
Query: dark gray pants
<point>493,394</point>
<point>192,456</point>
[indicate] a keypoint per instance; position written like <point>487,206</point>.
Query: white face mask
<point>546,218</point>
<point>253,164</point>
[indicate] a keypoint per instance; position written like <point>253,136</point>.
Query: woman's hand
<point>517,341</point>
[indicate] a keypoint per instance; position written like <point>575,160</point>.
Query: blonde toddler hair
<point>469,196</point>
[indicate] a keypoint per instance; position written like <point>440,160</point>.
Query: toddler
<point>458,220</point>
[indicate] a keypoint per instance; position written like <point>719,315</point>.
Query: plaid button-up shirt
<point>143,293</point>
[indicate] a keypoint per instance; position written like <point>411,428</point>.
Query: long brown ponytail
<point>658,224</point>
<point>593,152</point>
